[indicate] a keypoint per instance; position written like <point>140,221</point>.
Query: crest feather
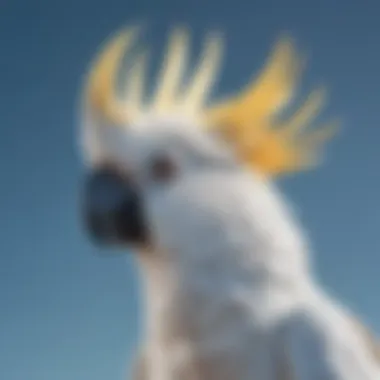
<point>134,89</point>
<point>172,71</point>
<point>100,94</point>
<point>198,90</point>
<point>248,121</point>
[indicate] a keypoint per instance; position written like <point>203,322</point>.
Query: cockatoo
<point>189,185</point>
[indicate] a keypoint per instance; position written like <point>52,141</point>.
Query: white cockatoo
<point>188,185</point>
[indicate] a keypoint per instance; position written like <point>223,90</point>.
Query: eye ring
<point>162,169</point>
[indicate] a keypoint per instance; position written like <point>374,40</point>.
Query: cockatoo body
<point>189,186</point>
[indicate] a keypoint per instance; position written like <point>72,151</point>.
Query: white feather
<point>229,292</point>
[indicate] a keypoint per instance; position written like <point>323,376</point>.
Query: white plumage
<point>229,291</point>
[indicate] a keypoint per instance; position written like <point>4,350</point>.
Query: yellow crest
<point>248,121</point>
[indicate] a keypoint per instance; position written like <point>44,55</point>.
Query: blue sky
<point>66,312</point>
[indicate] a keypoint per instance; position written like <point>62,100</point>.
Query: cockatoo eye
<point>162,169</point>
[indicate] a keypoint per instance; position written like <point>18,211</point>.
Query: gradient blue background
<point>66,313</point>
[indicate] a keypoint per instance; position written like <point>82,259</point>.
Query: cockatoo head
<point>167,170</point>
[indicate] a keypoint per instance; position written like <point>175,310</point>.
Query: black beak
<point>112,209</point>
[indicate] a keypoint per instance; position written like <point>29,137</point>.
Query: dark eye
<point>162,169</point>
